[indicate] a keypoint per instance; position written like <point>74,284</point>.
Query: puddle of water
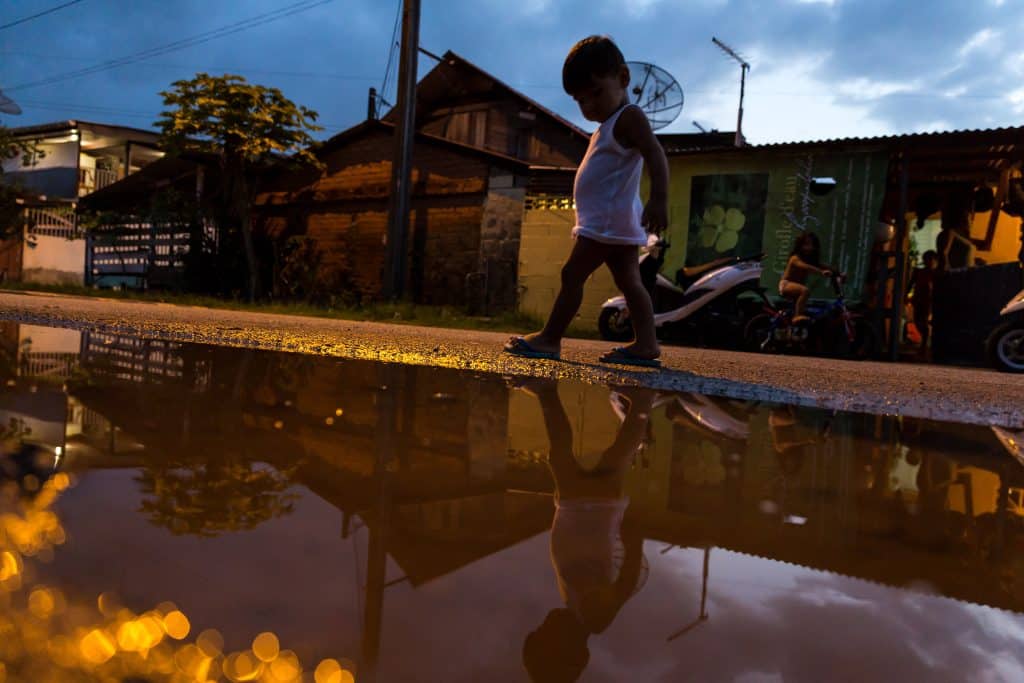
<point>180,512</point>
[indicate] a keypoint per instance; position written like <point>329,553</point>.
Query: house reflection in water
<point>438,470</point>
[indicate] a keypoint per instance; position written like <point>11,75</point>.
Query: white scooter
<point>702,307</point>
<point>1006,343</point>
<point>703,411</point>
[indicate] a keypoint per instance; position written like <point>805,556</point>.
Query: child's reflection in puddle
<point>598,559</point>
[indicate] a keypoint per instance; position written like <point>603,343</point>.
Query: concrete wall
<point>500,232</point>
<point>544,247</point>
<point>54,260</point>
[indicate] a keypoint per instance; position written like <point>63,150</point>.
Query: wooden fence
<point>137,255</point>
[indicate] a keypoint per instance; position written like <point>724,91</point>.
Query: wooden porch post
<point>900,284</point>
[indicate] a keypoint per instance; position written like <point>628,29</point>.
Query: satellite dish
<point>7,105</point>
<point>656,92</point>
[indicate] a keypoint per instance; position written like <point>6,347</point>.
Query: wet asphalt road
<point>958,394</point>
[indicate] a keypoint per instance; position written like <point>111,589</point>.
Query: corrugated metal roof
<point>1014,135</point>
<point>900,137</point>
<point>69,124</point>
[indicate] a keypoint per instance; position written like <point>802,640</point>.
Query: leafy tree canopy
<point>229,116</point>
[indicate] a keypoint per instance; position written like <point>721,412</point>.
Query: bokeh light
<point>47,636</point>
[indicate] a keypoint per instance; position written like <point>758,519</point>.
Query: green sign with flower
<point>727,216</point>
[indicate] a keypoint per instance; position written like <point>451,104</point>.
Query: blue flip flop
<point>621,356</point>
<point>518,346</point>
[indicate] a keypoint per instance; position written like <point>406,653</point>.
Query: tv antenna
<point>744,68</point>
<point>8,106</point>
<point>699,127</point>
<point>656,92</point>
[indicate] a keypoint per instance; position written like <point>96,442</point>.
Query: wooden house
<point>464,224</point>
<point>478,145</point>
<point>459,101</point>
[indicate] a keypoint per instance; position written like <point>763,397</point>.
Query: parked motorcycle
<point>702,307</point>
<point>831,329</point>
<point>1005,345</point>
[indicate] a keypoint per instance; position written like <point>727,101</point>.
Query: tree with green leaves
<point>12,146</point>
<point>248,127</point>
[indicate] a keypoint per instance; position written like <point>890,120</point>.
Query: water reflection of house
<point>443,471</point>
<point>288,411</point>
<point>855,497</point>
<point>48,352</point>
<point>131,358</point>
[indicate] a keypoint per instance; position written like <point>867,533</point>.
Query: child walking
<point>610,218</point>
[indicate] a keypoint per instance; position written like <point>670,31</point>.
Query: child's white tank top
<point>607,189</point>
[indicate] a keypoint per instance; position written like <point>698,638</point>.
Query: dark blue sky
<point>821,68</point>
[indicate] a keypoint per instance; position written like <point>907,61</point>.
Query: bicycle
<point>831,329</point>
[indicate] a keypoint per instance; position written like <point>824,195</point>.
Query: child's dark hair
<point>592,57</point>
<point>930,256</point>
<point>807,238</point>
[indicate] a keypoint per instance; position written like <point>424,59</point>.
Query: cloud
<point>820,69</point>
<point>867,89</point>
<point>986,38</point>
<point>640,8</point>
<point>1016,99</point>
<point>787,100</point>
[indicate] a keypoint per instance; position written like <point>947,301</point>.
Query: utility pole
<point>744,68</point>
<point>401,163</point>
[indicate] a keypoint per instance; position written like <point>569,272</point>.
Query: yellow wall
<point>1005,245</point>
<point>545,243</point>
<point>681,172</point>
<point>546,233</point>
<point>593,421</point>
<point>595,426</point>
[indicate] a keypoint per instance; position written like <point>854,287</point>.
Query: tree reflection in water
<point>210,498</point>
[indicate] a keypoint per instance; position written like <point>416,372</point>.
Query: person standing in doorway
<point>922,294</point>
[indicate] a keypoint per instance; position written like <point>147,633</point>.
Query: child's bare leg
<point>633,430</point>
<point>624,263</point>
<point>799,294</point>
<point>801,301</point>
<point>586,257</point>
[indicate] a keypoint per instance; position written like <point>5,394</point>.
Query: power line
<point>392,49</point>
<point>206,67</point>
<point>199,39</point>
<point>39,14</point>
<point>128,113</point>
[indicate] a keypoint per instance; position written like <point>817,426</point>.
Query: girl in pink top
<point>610,218</point>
